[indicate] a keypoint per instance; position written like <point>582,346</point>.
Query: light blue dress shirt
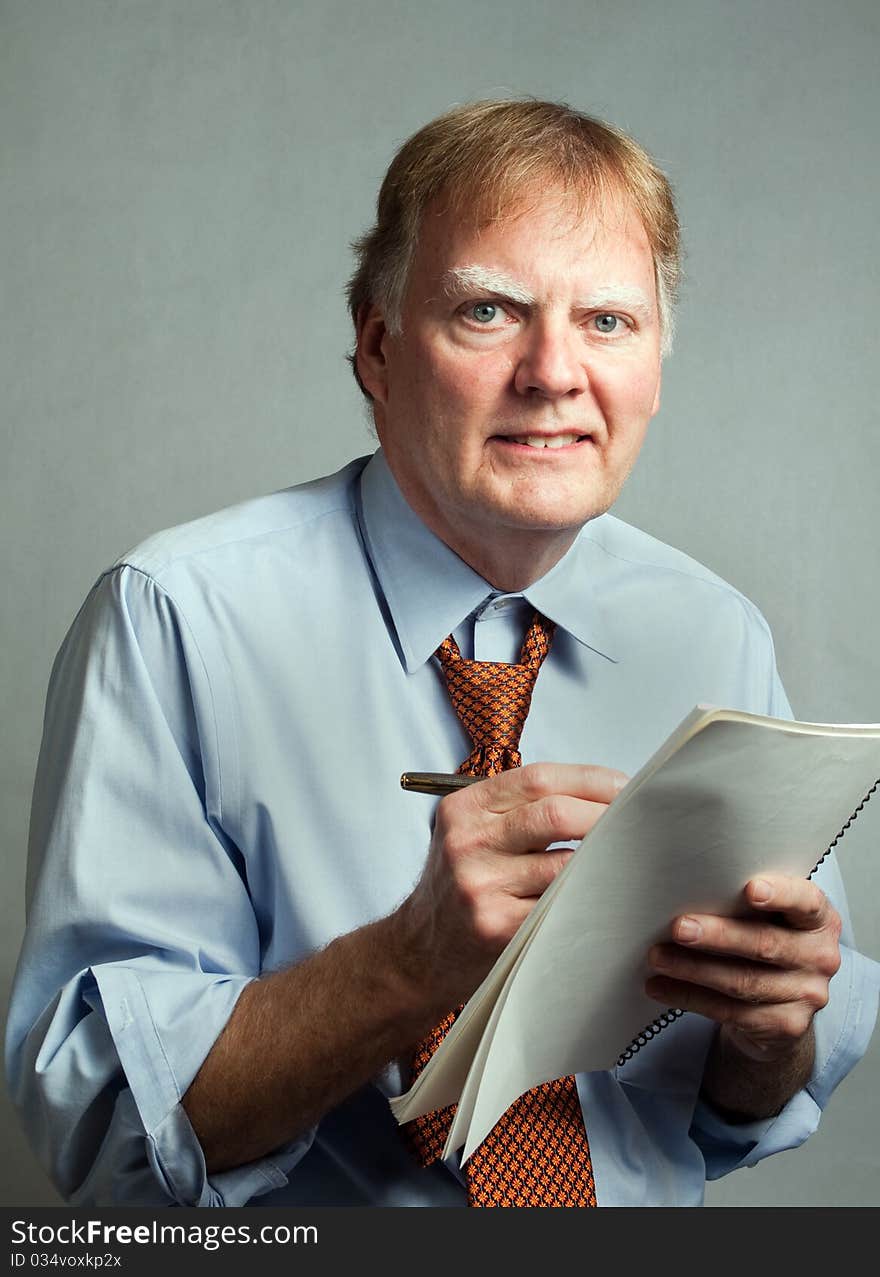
<point>217,796</point>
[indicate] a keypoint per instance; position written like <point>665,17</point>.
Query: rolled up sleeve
<point>141,932</point>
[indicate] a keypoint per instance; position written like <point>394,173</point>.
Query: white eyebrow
<point>481,279</point>
<point>615,296</point>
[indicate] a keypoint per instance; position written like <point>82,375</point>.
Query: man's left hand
<point>762,977</point>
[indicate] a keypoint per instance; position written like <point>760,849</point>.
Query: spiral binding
<point>832,845</point>
<point>673,1013</point>
<point>649,1031</point>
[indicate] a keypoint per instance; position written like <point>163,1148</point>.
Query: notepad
<point>728,796</point>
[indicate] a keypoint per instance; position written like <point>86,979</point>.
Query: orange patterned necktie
<point>537,1154</point>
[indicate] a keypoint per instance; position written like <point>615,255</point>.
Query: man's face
<point>514,401</point>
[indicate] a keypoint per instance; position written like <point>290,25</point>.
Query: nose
<point>552,359</point>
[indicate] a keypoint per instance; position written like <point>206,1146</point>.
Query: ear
<point>370,358</point>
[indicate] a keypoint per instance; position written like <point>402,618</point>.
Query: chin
<point>556,506</point>
<point>554,516</point>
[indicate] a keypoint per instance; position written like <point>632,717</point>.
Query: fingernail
<point>761,891</point>
<point>688,930</point>
<point>620,781</point>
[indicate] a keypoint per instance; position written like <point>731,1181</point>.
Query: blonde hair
<point>486,158</point>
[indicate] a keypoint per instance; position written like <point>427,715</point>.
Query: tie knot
<point>492,698</point>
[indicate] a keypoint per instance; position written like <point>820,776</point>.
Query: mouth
<point>539,443</point>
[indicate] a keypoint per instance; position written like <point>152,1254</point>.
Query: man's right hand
<point>302,1039</point>
<point>488,865</point>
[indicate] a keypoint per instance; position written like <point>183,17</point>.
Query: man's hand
<point>300,1040</point>
<point>488,865</point>
<point>762,978</point>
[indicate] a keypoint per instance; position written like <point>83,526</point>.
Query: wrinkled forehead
<point>451,220</point>
<point>594,207</point>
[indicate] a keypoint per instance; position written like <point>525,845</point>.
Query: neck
<point>510,559</point>
<point>514,573</point>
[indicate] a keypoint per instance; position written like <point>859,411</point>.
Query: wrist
<point>743,1088</point>
<point>404,967</point>
<point>733,1042</point>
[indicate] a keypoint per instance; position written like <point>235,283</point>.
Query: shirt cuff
<point>173,1149</point>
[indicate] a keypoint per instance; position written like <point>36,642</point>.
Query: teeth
<point>539,441</point>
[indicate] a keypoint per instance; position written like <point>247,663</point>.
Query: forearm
<point>744,1089</point>
<point>300,1040</point>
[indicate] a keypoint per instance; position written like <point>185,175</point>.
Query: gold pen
<point>436,782</point>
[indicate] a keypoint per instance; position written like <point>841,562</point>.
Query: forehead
<point>549,232</point>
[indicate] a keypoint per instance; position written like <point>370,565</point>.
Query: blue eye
<point>607,323</point>
<point>484,312</point>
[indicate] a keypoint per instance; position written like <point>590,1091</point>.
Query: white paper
<point>740,795</point>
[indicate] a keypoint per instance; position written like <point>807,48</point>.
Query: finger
<point>527,784</point>
<point>803,904</point>
<point>535,825</point>
<point>782,1020</point>
<point>756,940</point>
<point>742,981</point>
<point>534,873</point>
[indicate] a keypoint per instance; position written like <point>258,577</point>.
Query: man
<point>242,931</point>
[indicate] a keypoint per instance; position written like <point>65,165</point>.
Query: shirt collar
<point>429,590</point>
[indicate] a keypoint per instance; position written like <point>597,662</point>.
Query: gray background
<point>180,179</point>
